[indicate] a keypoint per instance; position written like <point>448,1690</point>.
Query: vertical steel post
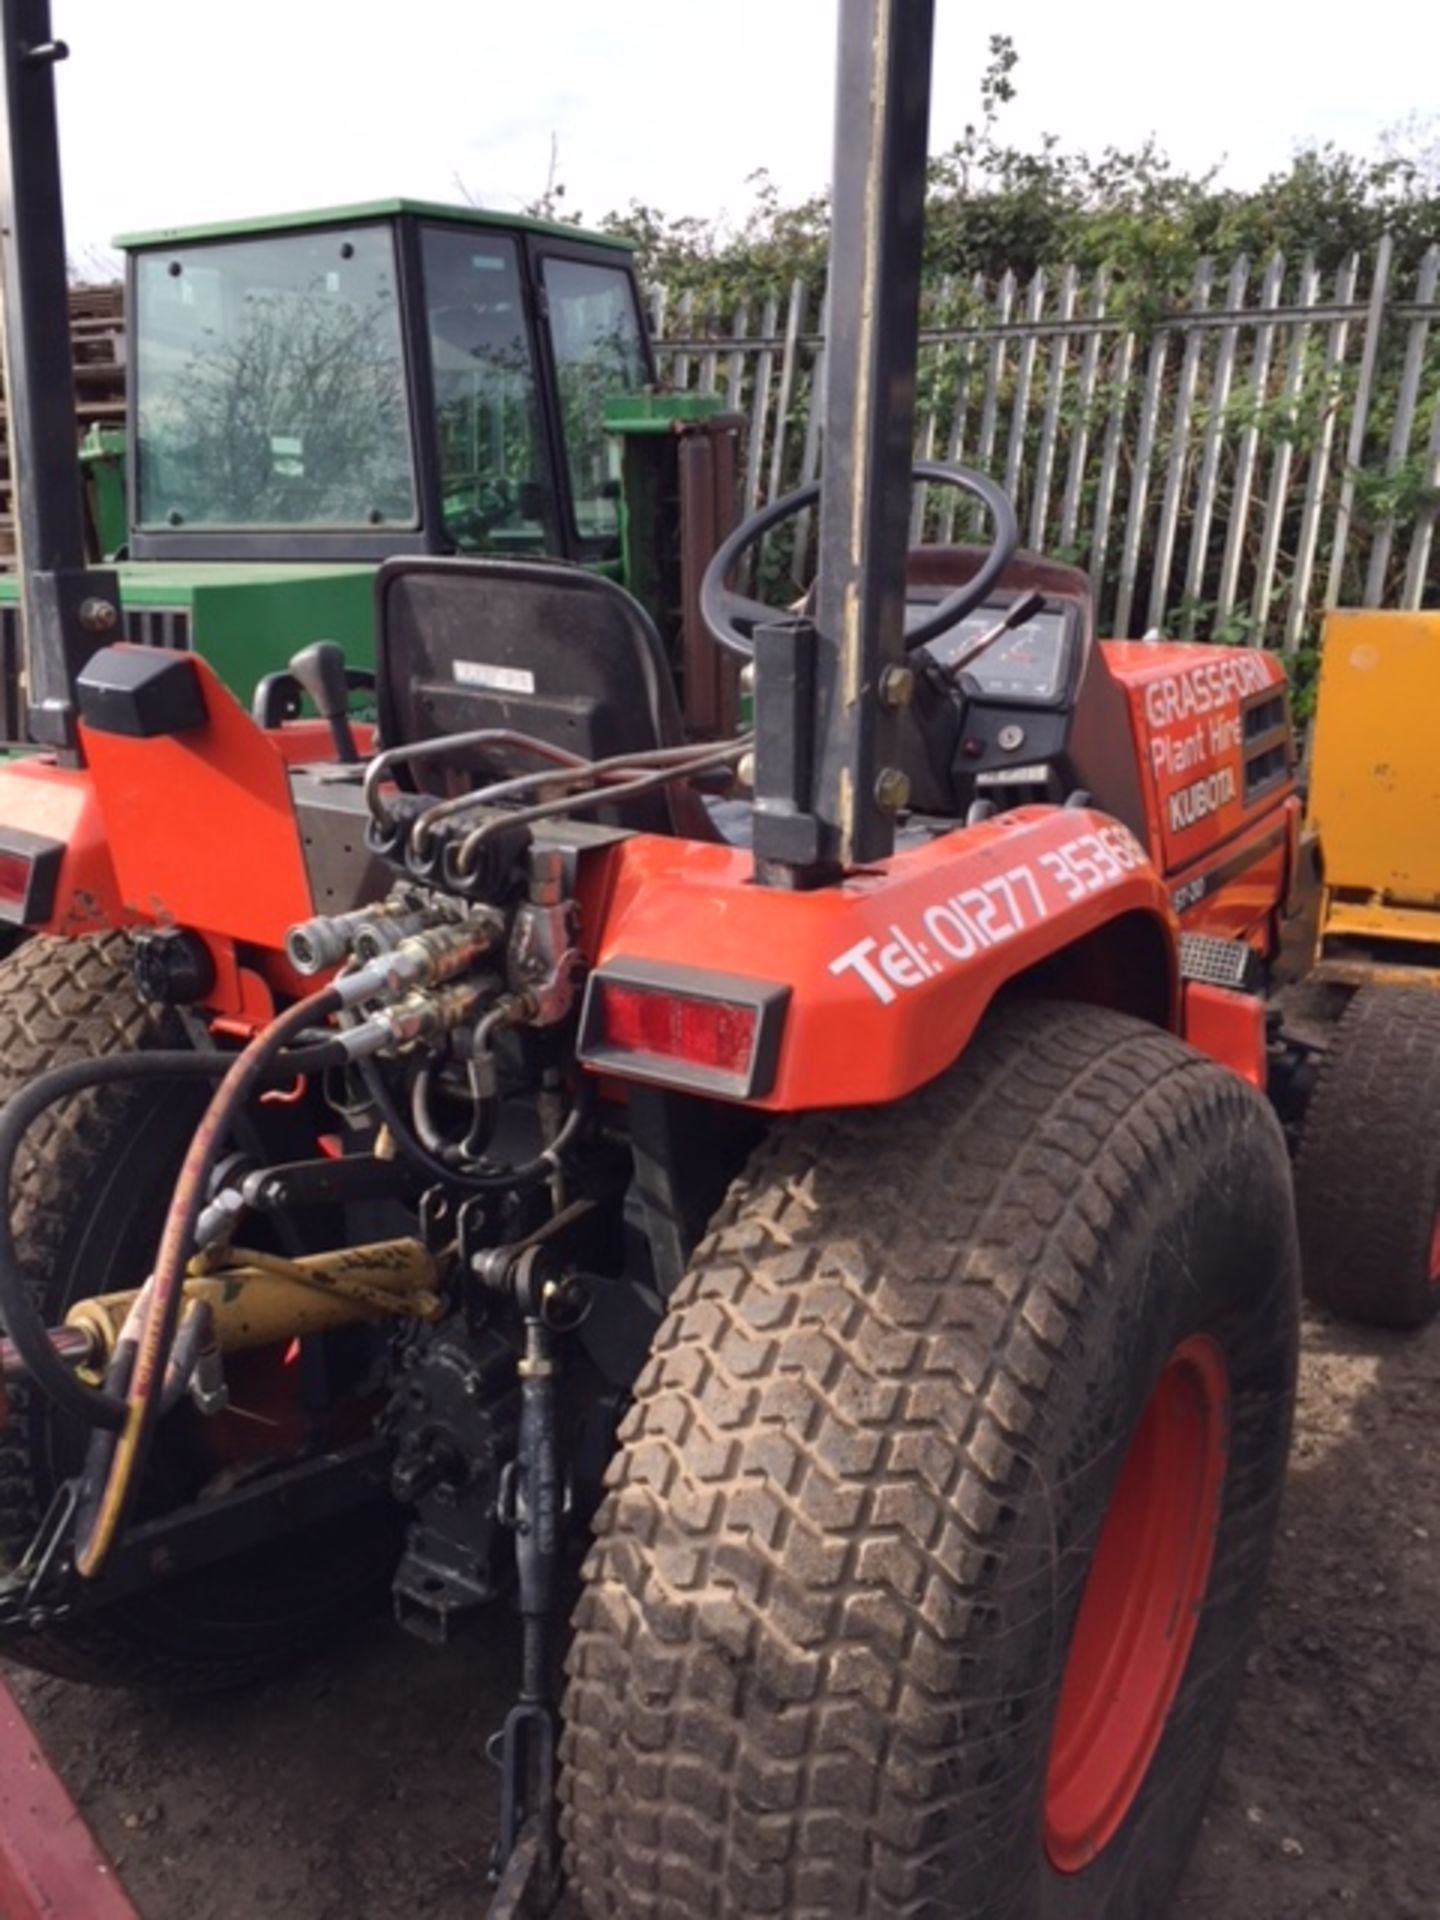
<point>68,609</point>
<point>882,123</point>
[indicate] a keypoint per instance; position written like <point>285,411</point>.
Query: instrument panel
<point>1030,666</point>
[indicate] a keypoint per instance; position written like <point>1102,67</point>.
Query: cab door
<point>593,345</point>
<point>493,448</point>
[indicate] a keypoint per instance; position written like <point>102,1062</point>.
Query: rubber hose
<point>503,1178</point>
<point>196,1332</point>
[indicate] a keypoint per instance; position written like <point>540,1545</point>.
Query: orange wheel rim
<point>1141,1606</point>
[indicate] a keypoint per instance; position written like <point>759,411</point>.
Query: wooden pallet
<point>97,336</point>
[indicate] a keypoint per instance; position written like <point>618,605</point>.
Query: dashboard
<point>1031,666</point>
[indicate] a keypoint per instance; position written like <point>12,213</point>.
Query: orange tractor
<point>821,1176</point>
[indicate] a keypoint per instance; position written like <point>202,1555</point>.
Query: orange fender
<point>889,972</point>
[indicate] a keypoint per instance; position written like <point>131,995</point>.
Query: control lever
<point>320,671</point>
<point>1016,614</point>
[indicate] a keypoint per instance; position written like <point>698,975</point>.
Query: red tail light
<point>14,880</point>
<point>29,870</point>
<point>706,1033</point>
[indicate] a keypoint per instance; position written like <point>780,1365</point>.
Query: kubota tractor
<point>821,1174</point>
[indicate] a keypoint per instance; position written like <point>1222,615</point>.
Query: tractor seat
<point>536,646</point>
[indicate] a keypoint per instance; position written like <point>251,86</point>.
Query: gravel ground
<point>356,1789</point>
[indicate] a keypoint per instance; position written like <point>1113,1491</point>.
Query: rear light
<point>14,880</point>
<point>29,870</point>
<point>701,1032</point>
<point>708,1033</point>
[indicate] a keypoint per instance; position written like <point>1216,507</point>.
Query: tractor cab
<point>378,379</point>
<point>312,393</point>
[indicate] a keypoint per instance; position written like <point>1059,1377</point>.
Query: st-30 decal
<point>952,930</point>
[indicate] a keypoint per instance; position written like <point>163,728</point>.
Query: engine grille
<point>144,627</point>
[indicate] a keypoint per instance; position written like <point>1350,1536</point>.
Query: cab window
<point>494,495</point>
<point>269,384</point>
<point>595,336</point>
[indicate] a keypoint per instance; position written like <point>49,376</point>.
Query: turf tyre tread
<point>1368,1171</point>
<point>804,1511</point>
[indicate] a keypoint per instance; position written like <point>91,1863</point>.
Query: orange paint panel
<point>891,970</point>
<point>201,828</point>
<point>1190,708</point>
<point>1238,892</point>
<point>60,803</point>
<point>1229,1027</point>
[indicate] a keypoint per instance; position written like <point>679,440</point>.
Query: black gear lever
<point>320,672</point>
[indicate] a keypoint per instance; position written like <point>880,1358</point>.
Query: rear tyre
<point>91,1185</point>
<point>1367,1179</point>
<point>867,1628</point>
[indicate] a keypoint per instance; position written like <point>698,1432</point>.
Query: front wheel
<point>940,1522</point>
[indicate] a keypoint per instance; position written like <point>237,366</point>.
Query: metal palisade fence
<point>1226,471</point>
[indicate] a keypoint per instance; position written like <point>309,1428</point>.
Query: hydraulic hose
<point>703,760</point>
<point>164,1291</point>
<point>494,1180</point>
<point>614,772</point>
<point>195,1333</point>
<point>23,1321</point>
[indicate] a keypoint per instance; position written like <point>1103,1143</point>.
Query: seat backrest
<point>536,646</point>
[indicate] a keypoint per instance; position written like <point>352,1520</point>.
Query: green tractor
<point>314,393</point>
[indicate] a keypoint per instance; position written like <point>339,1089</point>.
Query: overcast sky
<point>182,110</point>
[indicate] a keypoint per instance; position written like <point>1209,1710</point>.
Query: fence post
<point>1050,427</point>
<point>1320,461</point>
<point>955,444</point>
<point>680,359</point>
<point>1179,447</point>
<point>760,404</point>
<point>1140,484</point>
<point>926,425</point>
<point>1400,433</point>
<point>1284,453</point>
<point>1205,486</point>
<point>735,372</point>
<point>1249,441</point>
<point>794,325</point>
<point>995,370</point>
<point>1024,374</point>
<point>1355,449</point>
<point>1109,472</point>
<point>1424,534</point>
<point>810,452</point>
<point>1080,439</point>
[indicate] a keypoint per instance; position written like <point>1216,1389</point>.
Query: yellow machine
<point>1368,1170</point>
<point>1375,798</point>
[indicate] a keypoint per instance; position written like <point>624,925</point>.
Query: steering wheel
<point>732,617</point>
